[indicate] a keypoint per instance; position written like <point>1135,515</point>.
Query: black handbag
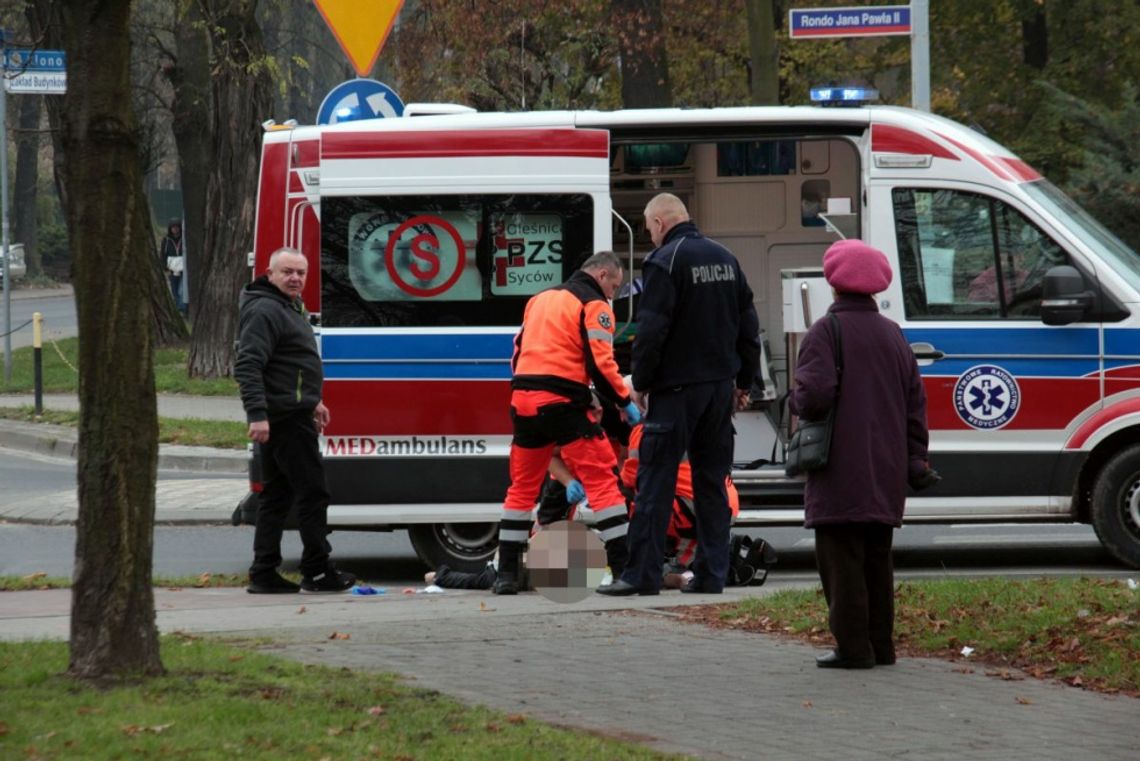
<point>810,444</point>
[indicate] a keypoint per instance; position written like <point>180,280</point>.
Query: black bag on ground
<point>810,445</point>
<point>749,561</point>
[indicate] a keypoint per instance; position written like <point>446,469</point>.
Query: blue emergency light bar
<point>843,95</point>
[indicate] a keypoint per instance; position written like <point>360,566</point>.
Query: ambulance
<point>426,234</point>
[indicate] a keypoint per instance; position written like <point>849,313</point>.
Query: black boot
<point>507,580</point>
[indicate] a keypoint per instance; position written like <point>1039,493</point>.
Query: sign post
<point>875,21</point>
<point>24,71</point>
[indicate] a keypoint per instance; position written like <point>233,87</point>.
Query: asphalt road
<point>920,550</point>
<point>58,313</point>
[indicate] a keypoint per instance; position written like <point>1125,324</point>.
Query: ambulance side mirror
<point>1064,296</point>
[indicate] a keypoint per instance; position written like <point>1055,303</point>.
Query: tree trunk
<point>27,181</point>
<point>765,82</point>
<point>640,30</point>
<point>113,632</point>
<point>190,78</point>
<point>240,99</point>
<point>1035,38</point>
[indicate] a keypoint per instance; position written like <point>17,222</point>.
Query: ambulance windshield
<point>1110,248</point>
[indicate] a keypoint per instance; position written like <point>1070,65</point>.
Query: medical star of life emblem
<point>986,397</point>
<point>605,321</point>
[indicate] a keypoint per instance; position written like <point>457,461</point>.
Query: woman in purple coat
<point>878,446</point>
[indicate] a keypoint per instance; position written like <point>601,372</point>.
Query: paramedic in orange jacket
<point>564,345</point>
<point>682,531</point>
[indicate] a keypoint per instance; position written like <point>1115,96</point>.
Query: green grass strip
<point>59,376</point>
<point>220,701</point>
<point>194,432</point>
<point>1083,630</point>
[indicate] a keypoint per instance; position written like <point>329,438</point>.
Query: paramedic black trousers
<point>292,471</point>
<point>696,419</point>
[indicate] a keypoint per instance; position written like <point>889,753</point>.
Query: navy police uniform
<point>697,339</point>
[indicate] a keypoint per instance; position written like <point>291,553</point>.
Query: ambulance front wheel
<point>461,546</point>
<point>1116,506</point>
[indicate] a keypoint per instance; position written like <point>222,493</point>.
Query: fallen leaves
<point>130,730</point>
<point>1024,701</point>
<point>340,635</point>
<point>301,610</point>
<point>808,704</point>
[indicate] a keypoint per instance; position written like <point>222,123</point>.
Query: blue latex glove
<point>632,414</point>
<point>574,492</point>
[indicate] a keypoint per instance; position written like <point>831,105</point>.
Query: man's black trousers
<point>696,419</point>
<point>292,470</point>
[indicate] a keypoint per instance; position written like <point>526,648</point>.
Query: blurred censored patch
<point>566,561</point>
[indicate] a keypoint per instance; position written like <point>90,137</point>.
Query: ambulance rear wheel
<point>1116,506</point>
<point>461,546</point>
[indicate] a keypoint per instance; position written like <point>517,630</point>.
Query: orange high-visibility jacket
<point>567,342</point>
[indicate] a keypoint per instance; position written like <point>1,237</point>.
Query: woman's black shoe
<point>833,660</point>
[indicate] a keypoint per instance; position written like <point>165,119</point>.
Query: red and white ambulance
<point>427,234</point>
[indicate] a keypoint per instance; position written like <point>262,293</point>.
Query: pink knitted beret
<point>851,266</point>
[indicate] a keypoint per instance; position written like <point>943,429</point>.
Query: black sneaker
<point>271,584</point>
<point>505,584</point>
<point>329,582</point>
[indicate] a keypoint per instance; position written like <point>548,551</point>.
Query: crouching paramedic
<point>681,536</point>
<point>565,343</point>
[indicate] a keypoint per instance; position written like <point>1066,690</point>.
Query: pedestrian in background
<point>564,345</point>
<point>879,443</point>
<point>170,253</point>
<point>278,369</point>
<point>696,354</point>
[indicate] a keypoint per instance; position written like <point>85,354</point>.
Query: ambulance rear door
<point>435,232</point>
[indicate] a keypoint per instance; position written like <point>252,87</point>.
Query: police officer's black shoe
<point>505,584</point>
<point>624,589</point>
<point>696,586</point>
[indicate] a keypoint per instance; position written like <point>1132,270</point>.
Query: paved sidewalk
<point>641,675</point>
<point>180,406</point>
<point>27,294</point>
<point>191,500</point>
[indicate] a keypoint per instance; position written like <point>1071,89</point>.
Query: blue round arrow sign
<point>359,99</point>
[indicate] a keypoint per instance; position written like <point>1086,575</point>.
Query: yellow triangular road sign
<point>361,27</point>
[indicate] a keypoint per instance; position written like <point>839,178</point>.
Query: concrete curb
<point>63,442</point>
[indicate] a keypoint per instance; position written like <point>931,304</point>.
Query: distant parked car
<point>16,264</point>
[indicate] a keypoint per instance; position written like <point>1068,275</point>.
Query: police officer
<point>696,353</point>
<point>564,345</point>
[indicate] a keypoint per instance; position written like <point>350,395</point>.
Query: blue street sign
<point>359,99</point>
<point>28,70</point>
<point>28,59</point>
<point>867,21</point>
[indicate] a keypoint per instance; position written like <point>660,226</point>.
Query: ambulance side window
<point>968,256</point>
<point>461,260</point>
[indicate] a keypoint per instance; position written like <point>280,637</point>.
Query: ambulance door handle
<point>925,353</point>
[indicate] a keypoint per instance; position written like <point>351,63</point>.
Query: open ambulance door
<point>434,234</point>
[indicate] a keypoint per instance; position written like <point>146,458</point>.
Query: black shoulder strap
<point>838,354</point>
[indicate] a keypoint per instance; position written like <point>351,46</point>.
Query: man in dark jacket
<point>279,371</point>
<point>696,353</point>
<point>879,442</point>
